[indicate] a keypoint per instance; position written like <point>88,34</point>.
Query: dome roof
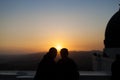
<point>112,33</point>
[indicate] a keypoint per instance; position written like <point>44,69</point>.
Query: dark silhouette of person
<point>47,66</point>
<point>67,69</point>
<point>115,68</point>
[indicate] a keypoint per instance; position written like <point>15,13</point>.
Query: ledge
<point>29,75</point>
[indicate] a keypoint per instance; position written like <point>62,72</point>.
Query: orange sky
<point>77,25</point>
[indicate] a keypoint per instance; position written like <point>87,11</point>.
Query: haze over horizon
<point>33,26</point>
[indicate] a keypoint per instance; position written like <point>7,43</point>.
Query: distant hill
<point>83,60</point>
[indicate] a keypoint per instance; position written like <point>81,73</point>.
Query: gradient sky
<point>37,25</point>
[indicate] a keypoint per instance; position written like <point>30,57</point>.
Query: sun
<point>58,47</point>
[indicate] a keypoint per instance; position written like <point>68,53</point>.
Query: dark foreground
<point>28,75</point>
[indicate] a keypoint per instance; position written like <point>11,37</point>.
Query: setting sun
<point>59,47</point>
<point>35,26</point>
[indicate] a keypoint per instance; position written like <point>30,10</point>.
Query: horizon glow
<point>33,26</point>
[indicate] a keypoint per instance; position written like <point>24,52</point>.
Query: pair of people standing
<point>64,69</point>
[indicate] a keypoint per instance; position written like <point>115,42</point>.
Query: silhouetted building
<point>115,68</point>
<point>112,36</point>
<point>111,43</point>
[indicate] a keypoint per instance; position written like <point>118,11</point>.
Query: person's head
<point>52,52</point>
<point>64,52</point>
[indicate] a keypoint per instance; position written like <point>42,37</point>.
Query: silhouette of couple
<point>64,69</point>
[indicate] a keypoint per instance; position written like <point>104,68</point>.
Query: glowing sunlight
<point>58,47</point>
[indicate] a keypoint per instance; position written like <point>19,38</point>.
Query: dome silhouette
<point>112,33</point>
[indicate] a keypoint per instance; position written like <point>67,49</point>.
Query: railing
<point>29,75</point>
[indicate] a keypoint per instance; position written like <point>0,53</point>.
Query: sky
<point>37,25</point>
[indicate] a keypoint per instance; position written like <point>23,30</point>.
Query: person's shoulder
<point>59,61</point>
<point>70,59</point>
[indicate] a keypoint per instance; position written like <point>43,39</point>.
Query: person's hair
<point>64,52</point>
<point>52,52</point>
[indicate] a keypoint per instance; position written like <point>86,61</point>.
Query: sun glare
<point>58,47</point>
